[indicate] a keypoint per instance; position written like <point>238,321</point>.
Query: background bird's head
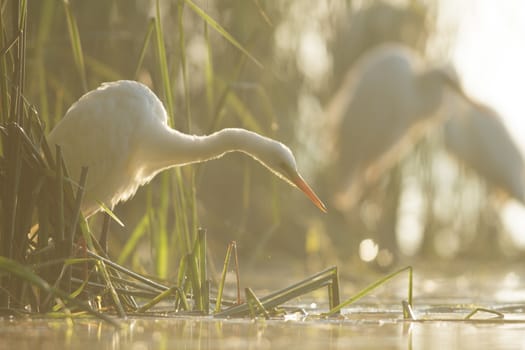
<point>447,75</point>
<point>435,82</point>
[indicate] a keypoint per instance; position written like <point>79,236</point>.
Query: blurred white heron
<point>479,139</point>
<point>384,104</point>
<point>120,132</point>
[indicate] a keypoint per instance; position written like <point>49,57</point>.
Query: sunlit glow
<point>312,58</point>
<point>410,223</point>
<point>489,54</point>
<point>446,243</point>
<point>368,250</point>
<point>307,134</point>
<point>510,295</point>
<point>429,286</point>
<point>513,217</point>
<point>511,280</point>
<point>510,290</point>
<point>385,258</point>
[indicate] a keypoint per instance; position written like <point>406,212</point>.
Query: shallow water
<point>441,302</point>
<point>208,333</point>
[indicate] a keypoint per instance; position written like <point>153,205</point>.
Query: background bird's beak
<point>299,182</point>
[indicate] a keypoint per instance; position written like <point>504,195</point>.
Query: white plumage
<point>120,132</point>
<point>386,101</point>
<point>479,139</point>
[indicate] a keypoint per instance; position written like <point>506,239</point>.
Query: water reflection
<point>443,298</point>
<point>206,333</point>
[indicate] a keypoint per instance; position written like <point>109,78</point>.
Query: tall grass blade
<point>44,29</point>
<point>103,238</point>
<point>138,232</point>
<point>183,299</point>
<point>201,260</point>
<point>145,45</point>
<point>237,272</point>
<point>60,194</point>
<point>182,273</point>
<point>10,44</point>
<point>245,116</point>
<point>101,70</point>
<point>12,184</point>
<point>191,190</point>
<point>160,231</point>
<point>195,280</point>
<point>225,91</point>
<point>112,292</point>
<point>206,287</point>
<point>19,77</point>
<point>222,281</point>
<point>163,65</point>
<point>180,202</point>
<point>4,92</point>
<point>212,23</point>
<point>182,47</point>
<point>209,72</point>
<point>110,213</point>
<point>76,46</point>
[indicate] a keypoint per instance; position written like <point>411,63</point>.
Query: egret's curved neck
<point>227,140</point>
<point>175,148</point>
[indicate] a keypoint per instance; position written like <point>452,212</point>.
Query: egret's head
<point>280,160</point>
<point>448,76</point>
<point>434,83</point>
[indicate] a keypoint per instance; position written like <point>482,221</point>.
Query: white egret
<point>120,132</point>
<point>383,100</point>
<point>480,140</point>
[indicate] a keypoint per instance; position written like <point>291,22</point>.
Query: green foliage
<point>40,219</point>
<point>76,46</point>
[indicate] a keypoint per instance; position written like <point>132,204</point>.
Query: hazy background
<point>425,206</point>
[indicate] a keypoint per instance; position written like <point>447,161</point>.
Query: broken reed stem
<point>237,272</point>
<point>477,310</point>
<point>255,304</point>
<point>373,286</point>
<point>157,299</point>
<point>316,281</point>
<point>205,299</point>
<point>223,276</point>
<point>130,273</point>
<point>195,282</point>
<point>333,289</point>
<point>112,292</point>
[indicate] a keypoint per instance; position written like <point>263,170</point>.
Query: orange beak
<point>299,182</point>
